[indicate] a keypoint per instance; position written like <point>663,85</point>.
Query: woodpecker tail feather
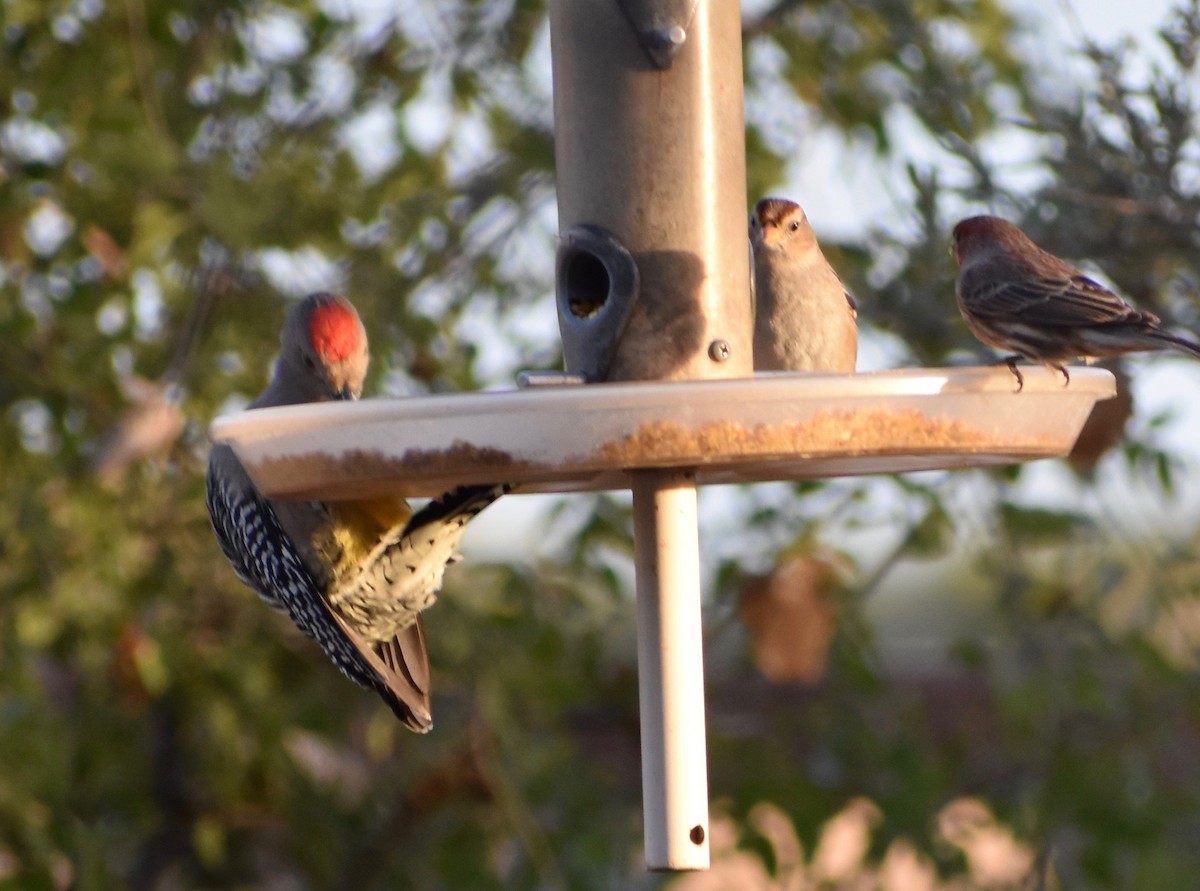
<point>401,668</point>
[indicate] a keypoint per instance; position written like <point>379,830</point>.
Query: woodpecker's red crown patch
<point>334,331</point>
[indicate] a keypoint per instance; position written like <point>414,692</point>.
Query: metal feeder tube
<point>658,158</point>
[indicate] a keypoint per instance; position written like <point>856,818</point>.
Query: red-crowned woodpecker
<point>352,575</point>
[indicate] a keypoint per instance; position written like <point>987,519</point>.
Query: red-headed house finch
<point>1016,297</point>
<point>803,318</point>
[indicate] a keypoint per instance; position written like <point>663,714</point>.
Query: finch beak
<point>771,234</point>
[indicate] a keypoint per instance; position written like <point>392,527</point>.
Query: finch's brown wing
<point>1081,301</point>
<point>1068,302</point>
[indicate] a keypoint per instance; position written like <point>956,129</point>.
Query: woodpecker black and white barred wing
<point>265,559</point>
<point>250,538</point>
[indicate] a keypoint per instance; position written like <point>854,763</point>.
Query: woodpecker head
<point>323,350</point>
<point>779,224</point>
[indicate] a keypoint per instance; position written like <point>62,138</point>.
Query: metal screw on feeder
<point>661,26</point>
<point>719,351</point>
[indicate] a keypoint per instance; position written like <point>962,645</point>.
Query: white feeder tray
<point>661,440</point>
<point>569,438</point>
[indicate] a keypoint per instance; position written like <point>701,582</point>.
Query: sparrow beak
<point>771,234</point>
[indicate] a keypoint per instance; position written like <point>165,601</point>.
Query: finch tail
<point>1178,343</point>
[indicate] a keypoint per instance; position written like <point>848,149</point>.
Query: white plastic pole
<point>670,670</point>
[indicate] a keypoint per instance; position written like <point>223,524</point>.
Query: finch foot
<point>1011,362</point>
<point>1066,374</point>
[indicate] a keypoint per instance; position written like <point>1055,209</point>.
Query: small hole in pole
<point>697,835</point>
<point>588,285</point>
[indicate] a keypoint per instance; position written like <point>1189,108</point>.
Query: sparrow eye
<point>794,225</point>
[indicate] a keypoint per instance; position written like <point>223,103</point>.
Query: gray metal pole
<point>670,670</point>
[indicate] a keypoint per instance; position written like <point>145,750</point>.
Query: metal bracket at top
<point>661,26</point>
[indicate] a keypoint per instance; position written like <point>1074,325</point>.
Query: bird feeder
<point>659,396</point>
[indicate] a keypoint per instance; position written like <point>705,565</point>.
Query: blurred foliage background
<point>967,680</point>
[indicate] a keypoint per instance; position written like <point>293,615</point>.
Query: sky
<point>879,193</point>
